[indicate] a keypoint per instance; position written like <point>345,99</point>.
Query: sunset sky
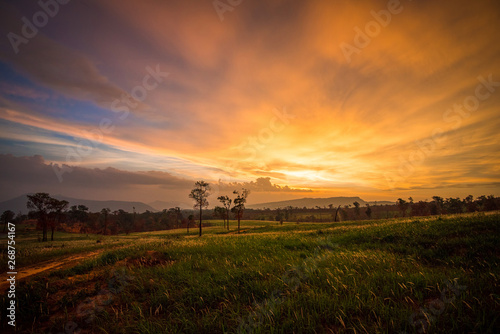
<point>376,99</point>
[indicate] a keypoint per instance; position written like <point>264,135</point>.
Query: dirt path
<point>35,269</point>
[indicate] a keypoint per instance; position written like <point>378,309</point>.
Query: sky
<point>137,100</point>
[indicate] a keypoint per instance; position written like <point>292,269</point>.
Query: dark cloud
<point>53,65</point>
<point>262,184</point>
<point>20,175</point>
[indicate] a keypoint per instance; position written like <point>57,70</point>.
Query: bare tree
<point>200,194</point>
<point>239,204</point>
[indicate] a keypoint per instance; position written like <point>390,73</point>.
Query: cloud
<point>261,184</point>
<point>352,121</point>
<point>19,175</point>
<point>55,66</point>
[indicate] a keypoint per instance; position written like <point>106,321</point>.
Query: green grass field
<point>414,275</point>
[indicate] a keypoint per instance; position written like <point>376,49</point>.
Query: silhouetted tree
<point>439,203</point>
<point>7,217</point>
<point>79,213</point>
<point>403,206</point>
<point>178,216</point>
<point>40,203</point>
<point>454,205</point>
<point>368,211</point>
<point>125,221</point>
<point>226,202</point>
<point>487,203</point>
<point>239,204</point>
<point>470,204</point>
<point>279,216</point>
<point>356,208</point>
<point>200,194</point>
<point>105,212</point>
<point>410,206</point>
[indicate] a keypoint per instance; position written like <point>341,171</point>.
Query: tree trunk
<point>227,217</point>
<point>105,224</point>
<point>337,212</point>
<point>44,228</point>
<point>52,234</point>
<point>238,222</point>
<point>200,220</point>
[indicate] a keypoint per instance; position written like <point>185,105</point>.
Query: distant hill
<point>18,204</point>
<point>161,205</point>
<point>309,202</point>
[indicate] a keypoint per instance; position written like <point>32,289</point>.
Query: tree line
<point>355,211</point>
<point>51,214</point>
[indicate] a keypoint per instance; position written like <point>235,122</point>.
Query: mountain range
<point>18,204</point>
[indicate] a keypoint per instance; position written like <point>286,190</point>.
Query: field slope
<point>432,274</point>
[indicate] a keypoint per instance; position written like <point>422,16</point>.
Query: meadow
<point>403,275</point>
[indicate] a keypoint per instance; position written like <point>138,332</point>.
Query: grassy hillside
<point>438,274</point>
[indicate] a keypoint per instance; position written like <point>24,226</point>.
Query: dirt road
<point>35,269</point>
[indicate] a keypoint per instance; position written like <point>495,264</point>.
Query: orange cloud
<point>353,125</point>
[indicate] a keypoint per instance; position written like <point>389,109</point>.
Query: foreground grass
<point>382,276</point>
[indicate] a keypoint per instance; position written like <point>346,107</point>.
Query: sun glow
<point>306,175</point>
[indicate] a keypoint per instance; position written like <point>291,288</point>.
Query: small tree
<point>79,213</point>
<point>439,204</point>
<point>7,216</point>
<point>40,203</point>
<point>239,204</point>
<point>125,221</point>
<point>368,211</point>
<point>356,208</point>
<point>226,202</point>
<point>105,212</point>
<point>403,206</point>
<point>200,194</point>
<point>178,216</point>
<point>469,203</point>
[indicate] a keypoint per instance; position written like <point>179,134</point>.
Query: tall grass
<point>384,276</point>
